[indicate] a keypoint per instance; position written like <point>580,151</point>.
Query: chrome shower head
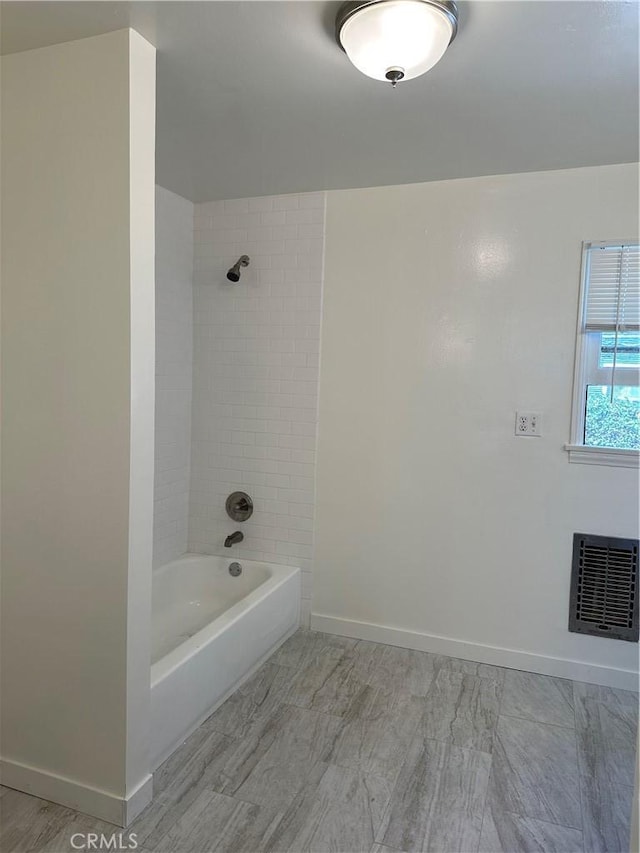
<point>234,273</point>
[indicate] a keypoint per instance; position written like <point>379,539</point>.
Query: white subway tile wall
<point>174,364</point>
<point>255,376</point>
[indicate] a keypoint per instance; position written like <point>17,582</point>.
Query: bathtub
<point>209,632</point>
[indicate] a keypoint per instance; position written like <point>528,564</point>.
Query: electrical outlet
<point>528,423</point>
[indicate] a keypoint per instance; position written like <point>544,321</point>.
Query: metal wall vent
<point>604,587</point>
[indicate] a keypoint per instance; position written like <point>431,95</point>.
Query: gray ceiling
<point>255,98</point>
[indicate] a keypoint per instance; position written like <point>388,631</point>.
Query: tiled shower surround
<point>255,376</point>
<point>174,364</point>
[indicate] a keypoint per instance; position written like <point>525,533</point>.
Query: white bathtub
<point>209,631</point>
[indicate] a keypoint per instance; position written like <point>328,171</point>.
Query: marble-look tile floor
<point>344,745</point>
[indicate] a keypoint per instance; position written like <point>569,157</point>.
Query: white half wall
<point>78,138</point>
<point>256,366</point>
<point>174,368</point>
<point>447,307</point>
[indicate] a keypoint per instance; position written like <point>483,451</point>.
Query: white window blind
<point>613,288</point>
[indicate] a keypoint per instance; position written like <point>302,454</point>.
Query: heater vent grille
<point>604,587</point>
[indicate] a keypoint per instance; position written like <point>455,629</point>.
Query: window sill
<point>611,456</point>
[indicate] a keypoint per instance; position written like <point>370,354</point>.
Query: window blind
<point>613,288</point>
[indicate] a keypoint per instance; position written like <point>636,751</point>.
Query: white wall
<point>447,307</point>
<point>77,441</point>
<point>174,367</point>
<point>255,389</point>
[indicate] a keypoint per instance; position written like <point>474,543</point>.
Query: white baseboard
<point>92,801</point>
<point>624,679</point>
<point>138,800</point>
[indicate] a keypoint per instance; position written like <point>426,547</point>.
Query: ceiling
<point>256,98</point>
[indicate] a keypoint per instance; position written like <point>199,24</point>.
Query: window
<point>606,401</point>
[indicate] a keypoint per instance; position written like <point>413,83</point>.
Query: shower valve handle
<point>239,506</point>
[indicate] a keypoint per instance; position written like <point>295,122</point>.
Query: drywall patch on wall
<point>449,306</point>
<point>174,368</point>
<point>255,376</point>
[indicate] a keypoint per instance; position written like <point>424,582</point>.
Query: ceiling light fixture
<point>396,39</point>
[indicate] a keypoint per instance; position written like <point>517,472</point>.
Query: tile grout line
<point>578,765</point>
<point>543,820</point>
<point>397,776</point>
<point>539,722</point>
<point>495,735</point>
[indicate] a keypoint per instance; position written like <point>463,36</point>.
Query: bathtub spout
<point>238,536</point>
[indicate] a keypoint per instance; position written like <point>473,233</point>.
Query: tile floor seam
<point>538,722</point>
<point>465,748</point>
<point>550,823</point>
<point>578,763</point>
<point>486,802</point>
<point>432,806</point>
<point>345,764</point>
<point>484,806</point>
<point>495,732</point>
<point>547,818</point>
<point>382,828</point>
<point>444,754</point>
<point>544,820</point>
<point>242,801</point>
<point>232,797</point>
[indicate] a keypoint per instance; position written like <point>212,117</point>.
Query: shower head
<point>234,273</point>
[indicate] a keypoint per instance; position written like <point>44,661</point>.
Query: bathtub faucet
<point>238,536</point>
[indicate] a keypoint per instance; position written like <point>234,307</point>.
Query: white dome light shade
<point>397,39</point>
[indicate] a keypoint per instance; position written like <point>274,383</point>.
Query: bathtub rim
<point>169,663</point>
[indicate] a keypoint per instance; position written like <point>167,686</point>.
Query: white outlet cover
<point>528,424</point>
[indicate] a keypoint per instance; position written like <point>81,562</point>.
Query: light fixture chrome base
<point>394,76</point>
<point>347,10</point>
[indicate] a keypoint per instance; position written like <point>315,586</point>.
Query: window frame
<point>586,367</point>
